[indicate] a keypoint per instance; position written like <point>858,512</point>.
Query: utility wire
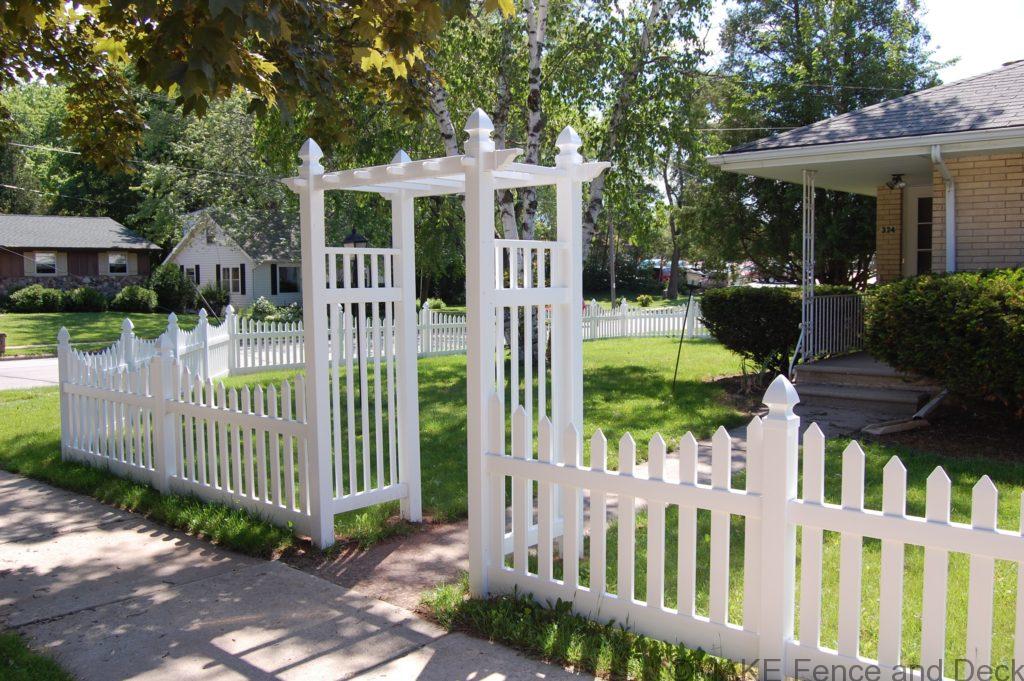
<point>51,193</point>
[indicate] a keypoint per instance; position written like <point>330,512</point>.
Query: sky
<point>982,33</point>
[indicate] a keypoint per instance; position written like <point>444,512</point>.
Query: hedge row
<point>38,298</point>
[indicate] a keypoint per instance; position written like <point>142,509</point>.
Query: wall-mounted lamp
<point>896,181</point>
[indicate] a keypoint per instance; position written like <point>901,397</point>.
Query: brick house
<point>946,165</point>
<point>66,252</point>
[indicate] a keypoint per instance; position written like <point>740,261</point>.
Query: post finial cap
<point>780,397</point>
<point>401,157</point>
<point>479,121</point>
<point>127,325</point>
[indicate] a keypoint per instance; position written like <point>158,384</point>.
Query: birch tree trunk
<point>439,107</point>
<point>503,104</point>
<point>536,31</point>
<point>623,100</point>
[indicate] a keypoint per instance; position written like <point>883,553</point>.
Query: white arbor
<point>360,324</point>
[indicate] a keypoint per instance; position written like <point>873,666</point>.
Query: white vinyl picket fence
<point>771,511</point>
<point>627,321</point>
<point>162,424</point>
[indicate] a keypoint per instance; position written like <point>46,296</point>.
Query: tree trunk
<point>611,256</point>
<point>673,273</point>
<point>623,99</point>
<point>536,32</point>
<point>439,107</point>
<point>503,102</point>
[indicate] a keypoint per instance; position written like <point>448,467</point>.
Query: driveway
<point>113,596</point>
<point>28,373</point>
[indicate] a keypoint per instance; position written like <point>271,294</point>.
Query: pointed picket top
<point>656,457</point>
<point>63,335</point>
<point>853,476</point>
<point>519,438</point>
<point>401,157</point>
<point>984,504</point>
<point>688,459</point>
<point>571,446</point>
<point>598,451</point>
<point>937,496</point>
<point>479,122</point>
<point>894,487</point>
<point>544,445</point>
<point>627,454</point>
<point>780,398</point>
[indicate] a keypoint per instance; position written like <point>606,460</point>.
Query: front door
<point>917,230</point>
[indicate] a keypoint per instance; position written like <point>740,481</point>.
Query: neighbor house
<point>66,252</point>
<point>264,263</point>
<point>946,165</point>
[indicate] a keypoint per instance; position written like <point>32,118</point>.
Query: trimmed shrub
<point>214,298</point>
<point>173,290</point>
<point>760,324</point>
<point>134,299</point>
<point>85,299</point>
<point>436,304</point>
<point>262,310</point>
<point>964,330</point>
<point>644,300</point>
<point>37,298</point>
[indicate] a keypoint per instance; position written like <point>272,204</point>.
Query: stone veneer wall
<point>989,212</point>
<point>889,234</point>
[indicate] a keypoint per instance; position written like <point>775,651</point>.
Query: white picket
<point>936,574</point>
<point>721,479</point>
<point>687,547</point>
<point>984,508</point>
<point>627,522</point>
<point>656,527</point>
<point>851,552</point>
<point>890,591</point>
<point>811,542</point>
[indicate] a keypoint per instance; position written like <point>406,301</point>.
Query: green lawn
<point>19,663</point>
<point>626,384</point>
<point>90,330</point>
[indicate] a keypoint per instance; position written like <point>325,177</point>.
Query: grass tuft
<point>554,633</point>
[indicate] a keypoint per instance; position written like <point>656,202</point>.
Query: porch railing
<point>836,326</point>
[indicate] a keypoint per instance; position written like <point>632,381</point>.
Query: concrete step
<point>873,375</point>
<point>907,396</point>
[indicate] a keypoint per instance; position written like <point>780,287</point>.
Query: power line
<point>139,161</point>
<point>52,193</point>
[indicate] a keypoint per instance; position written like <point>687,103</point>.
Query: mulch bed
<point>962,429</point>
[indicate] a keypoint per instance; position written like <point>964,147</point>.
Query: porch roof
<point>860,150</point>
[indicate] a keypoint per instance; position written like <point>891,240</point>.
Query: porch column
<point>807,348</point>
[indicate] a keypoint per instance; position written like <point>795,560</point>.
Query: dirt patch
<point>744,392</point>
<point>398,570</point>
<point>967,430</point>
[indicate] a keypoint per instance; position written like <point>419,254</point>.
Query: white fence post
<point>780,439</point>
<point>127,344</point>
<point>203,331</point>
<point>426,335</point>
<point>408,422</point>
<point>309,186</point>
<point>230,323</point>
<point>162,371</point>
<point>63,369</point>
<point>480,337</point>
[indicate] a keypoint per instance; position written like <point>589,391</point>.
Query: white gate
<point>359,323</point>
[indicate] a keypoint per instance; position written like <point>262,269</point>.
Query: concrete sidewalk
<point>28,373</point>
<point>113,596</point>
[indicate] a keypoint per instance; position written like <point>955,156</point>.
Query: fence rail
<point>548,482</point>
<point>836,325</point>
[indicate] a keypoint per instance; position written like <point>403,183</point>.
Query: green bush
<point>644,300</point>
<point>964,330</point>
<point>134,299</point>
<point>37,298</point>
<point>85,299</point>
<point>760,324</point>
<point>214,298</point>
<point>436,304</point>
<point>173,290</point>
<point>262,310</point>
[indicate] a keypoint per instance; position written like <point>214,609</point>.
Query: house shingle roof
<point>274,238</point>
<point>64,232</point>
<point>989,101</point>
